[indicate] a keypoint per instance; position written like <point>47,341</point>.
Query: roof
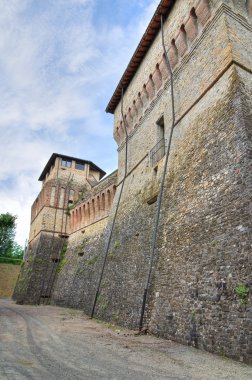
<point>164,9</point>
<point>54,155</point>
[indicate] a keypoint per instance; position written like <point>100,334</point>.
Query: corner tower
<point>65,179</point>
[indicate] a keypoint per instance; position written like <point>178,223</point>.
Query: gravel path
<point>47,342</point>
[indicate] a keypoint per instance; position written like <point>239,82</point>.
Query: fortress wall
<point>205,236</point>
<point>205,222</point>
<point>38,270</point>
<point>78,273</point>
<point>205,231</point>
<point>47,256</point>
<point>47,219</point>
<point>77,277</point>
<point>221,40</point>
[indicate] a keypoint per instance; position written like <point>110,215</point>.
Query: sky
<point>60,62</point>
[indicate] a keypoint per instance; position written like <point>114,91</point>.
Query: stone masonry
<point>201,285</point>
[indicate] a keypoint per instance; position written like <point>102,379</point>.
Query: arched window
<point>76,218</point>
<point>80,216</point>
<point>88,213</point>
<point>103,204</point>
<point>98,206</point>
<point>109,199</point>
<point>83,215</point>
<point>93,209</point>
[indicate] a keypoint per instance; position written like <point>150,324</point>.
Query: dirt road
<point>46,342</point>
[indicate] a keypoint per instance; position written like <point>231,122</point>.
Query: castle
<point>168,249</point>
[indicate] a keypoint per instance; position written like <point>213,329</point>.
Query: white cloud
<point>58,68</point>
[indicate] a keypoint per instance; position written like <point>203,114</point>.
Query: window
<point>66,163</point>
<point>79,165</point>
<point>160,129</point>
<point>158,151</point>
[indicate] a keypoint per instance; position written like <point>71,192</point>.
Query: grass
<point>10,260</point>
<point>8,278</point>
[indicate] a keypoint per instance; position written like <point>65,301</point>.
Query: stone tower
<point>64,179</point>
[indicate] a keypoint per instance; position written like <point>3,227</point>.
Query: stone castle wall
<point>204,239</point>
<point>39,269</point>
<point>49,231</point>
<point>203,246</point>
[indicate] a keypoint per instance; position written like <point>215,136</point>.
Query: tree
<point>17,252</point>
<point>7,234</point>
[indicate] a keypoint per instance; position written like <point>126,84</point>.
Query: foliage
<point>10,260</point>
<point>7,234</point>
<point>8,247</point>
<point>17,251</point>
<point>242,291</point>
<point>63,259</point>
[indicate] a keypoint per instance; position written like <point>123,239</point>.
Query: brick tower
<point>64,179</point>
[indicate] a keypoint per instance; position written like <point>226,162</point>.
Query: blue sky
<point>60,61</point>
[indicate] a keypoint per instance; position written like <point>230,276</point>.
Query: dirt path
<point>46,342</point>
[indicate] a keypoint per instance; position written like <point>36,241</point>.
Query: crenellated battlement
<point>180,45</point>
<point>179,49</point>
<point>95,205</point>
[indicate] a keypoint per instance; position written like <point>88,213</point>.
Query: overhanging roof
<point>164,9</point>
<point>54,155</point>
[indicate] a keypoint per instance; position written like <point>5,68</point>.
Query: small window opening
<point>66,163</point>
<point>158,151</point>
<point>160,128</point>
<point>79,165</point>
